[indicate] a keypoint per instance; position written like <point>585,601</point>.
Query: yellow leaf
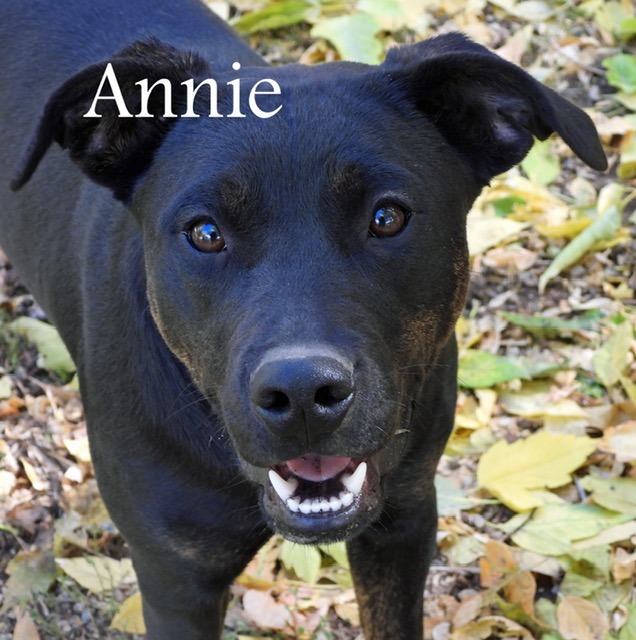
<point>129,618</point>
<point>580,619</point>
<point>32,474</point>
<point>492,626</point>
<point>488,231</point>
<point>98,573</point>
<point>569,229</point>
<point>78,448</point>
<point>543,460</point>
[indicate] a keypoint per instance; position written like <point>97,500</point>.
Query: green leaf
<point>451,499</point>
<point>277,14</point>
<point>48,342</point>
<point>30,573</point>
<point>389,14</point>
<point>303,560</point>
<point>610,360</point>
<point>6,387</point>
<point>615,494</point>
<point>603,228</point>
<point>337,551</point>
<point>621,72</point>
<point>554,527</point>
<point>354,36</point>
<point>550,325</point>
<point>505,206</point>
<point>480,370</point>
<point>542,163</point>
<point>628,630</point>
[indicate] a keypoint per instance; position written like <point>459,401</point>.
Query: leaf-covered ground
<point>537,489</point>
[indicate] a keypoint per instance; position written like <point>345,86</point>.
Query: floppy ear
<point>487,108</point>
<point>110,149</point>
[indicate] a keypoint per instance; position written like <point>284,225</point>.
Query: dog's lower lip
<point>337,492</point>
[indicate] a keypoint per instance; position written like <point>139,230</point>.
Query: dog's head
<point>308,268</point>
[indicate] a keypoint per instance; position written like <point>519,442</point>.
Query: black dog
<point>261,308</point>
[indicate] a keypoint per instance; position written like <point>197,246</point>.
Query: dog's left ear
<point>110,149</point>
<point>486,107</point>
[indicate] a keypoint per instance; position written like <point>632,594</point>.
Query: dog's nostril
<point>275,401</point>
<point>331,395</point>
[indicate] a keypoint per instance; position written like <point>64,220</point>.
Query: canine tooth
<point>335,504</point>
<point>305,507</point>
<point>346,498</point>
<point>293,504</point>
<point>284,488</point>
<point>355,481</point>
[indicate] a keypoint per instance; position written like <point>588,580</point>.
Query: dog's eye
<point>388,220</point>
<point>205,236</point>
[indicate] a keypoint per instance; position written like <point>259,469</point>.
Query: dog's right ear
<point>112,150</point>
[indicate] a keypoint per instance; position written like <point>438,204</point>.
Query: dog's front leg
<point>389,570</point>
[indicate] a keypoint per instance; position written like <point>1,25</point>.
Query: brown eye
<point>206,237</point>
<point>388,220</point>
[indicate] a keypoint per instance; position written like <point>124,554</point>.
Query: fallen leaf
<point>542,460</point>
<point>610,360</point>
<point>481,369</point>
<point>521,589</point>
<point>48,342</point>
<point>97,573</point>
<point>25,628</point>
<point>34,477</point>
<point>492,626</point>
<point>497,562</point>
<point>628,630</point>
<point>354,36</point>
<point>263,610</point>
<point>485,232</point>
<point>78,448</point>
<point>129,618</point>
<point>542,164</point>
<point>30,572</point>
<point>303,560</point>
<point>620,441</point>
<point>580,619</point>
<point>603,228</point>
<point>615,494</point>
<point>554,527</point>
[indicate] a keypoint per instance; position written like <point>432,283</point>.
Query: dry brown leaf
<point>581,619</point>
<point>496,564</point>
<point>521,590</point>
<point>468,611</point>
<point>623,565</point>
<point>263,610</point>
<point>620,441</point>
<point>25,628</point>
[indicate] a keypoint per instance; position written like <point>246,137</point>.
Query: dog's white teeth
<point>293,504</point>
<point>305,507</point>
<point>353,482</point>
<point>284,488</point>
<point>346,498</point>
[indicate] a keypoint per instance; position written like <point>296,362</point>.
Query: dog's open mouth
<point>319,485</point>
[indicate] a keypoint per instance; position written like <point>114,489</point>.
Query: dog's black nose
<point>302,393</point>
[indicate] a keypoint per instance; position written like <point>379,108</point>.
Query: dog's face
<point>308,268</point>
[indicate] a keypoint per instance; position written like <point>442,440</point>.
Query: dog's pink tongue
<point>318,468</point>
